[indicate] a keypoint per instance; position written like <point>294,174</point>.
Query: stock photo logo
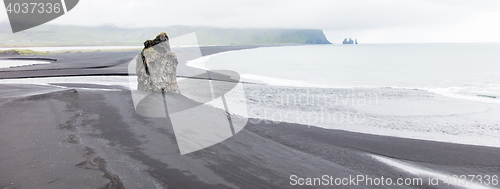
<point>26,14</point>
<point>201,110</point>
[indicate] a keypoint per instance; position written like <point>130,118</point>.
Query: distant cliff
<point>57,35</point>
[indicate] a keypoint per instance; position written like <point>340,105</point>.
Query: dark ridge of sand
<point>103,63</point>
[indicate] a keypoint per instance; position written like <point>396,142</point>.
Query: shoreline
<point>416,132</point>
<point>344,113</point>
<point>101,135</point>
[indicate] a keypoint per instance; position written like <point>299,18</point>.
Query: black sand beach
<point>75,137</point>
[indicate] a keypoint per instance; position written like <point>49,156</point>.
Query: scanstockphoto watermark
<point>310,97</point>
<point>355,180</point>
<point>310,106</point>
<point>310,118</point>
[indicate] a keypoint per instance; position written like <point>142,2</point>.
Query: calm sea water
<point>457,70</point>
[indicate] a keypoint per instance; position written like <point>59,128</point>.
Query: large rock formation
<point>156,66</point>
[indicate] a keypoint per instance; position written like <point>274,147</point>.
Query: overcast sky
<point>370,21</point>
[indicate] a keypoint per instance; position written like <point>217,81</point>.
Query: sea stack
<point>156,66</point>
<point>350,41</point>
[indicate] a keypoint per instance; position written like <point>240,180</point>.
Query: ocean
<point>461,70</point>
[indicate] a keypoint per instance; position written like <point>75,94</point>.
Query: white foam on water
<point>426,172</point>
<point>451,92</point>
<point>16,63</point>
<point>250,78</point>
<point>71,48</point>
<point>458,93</point>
